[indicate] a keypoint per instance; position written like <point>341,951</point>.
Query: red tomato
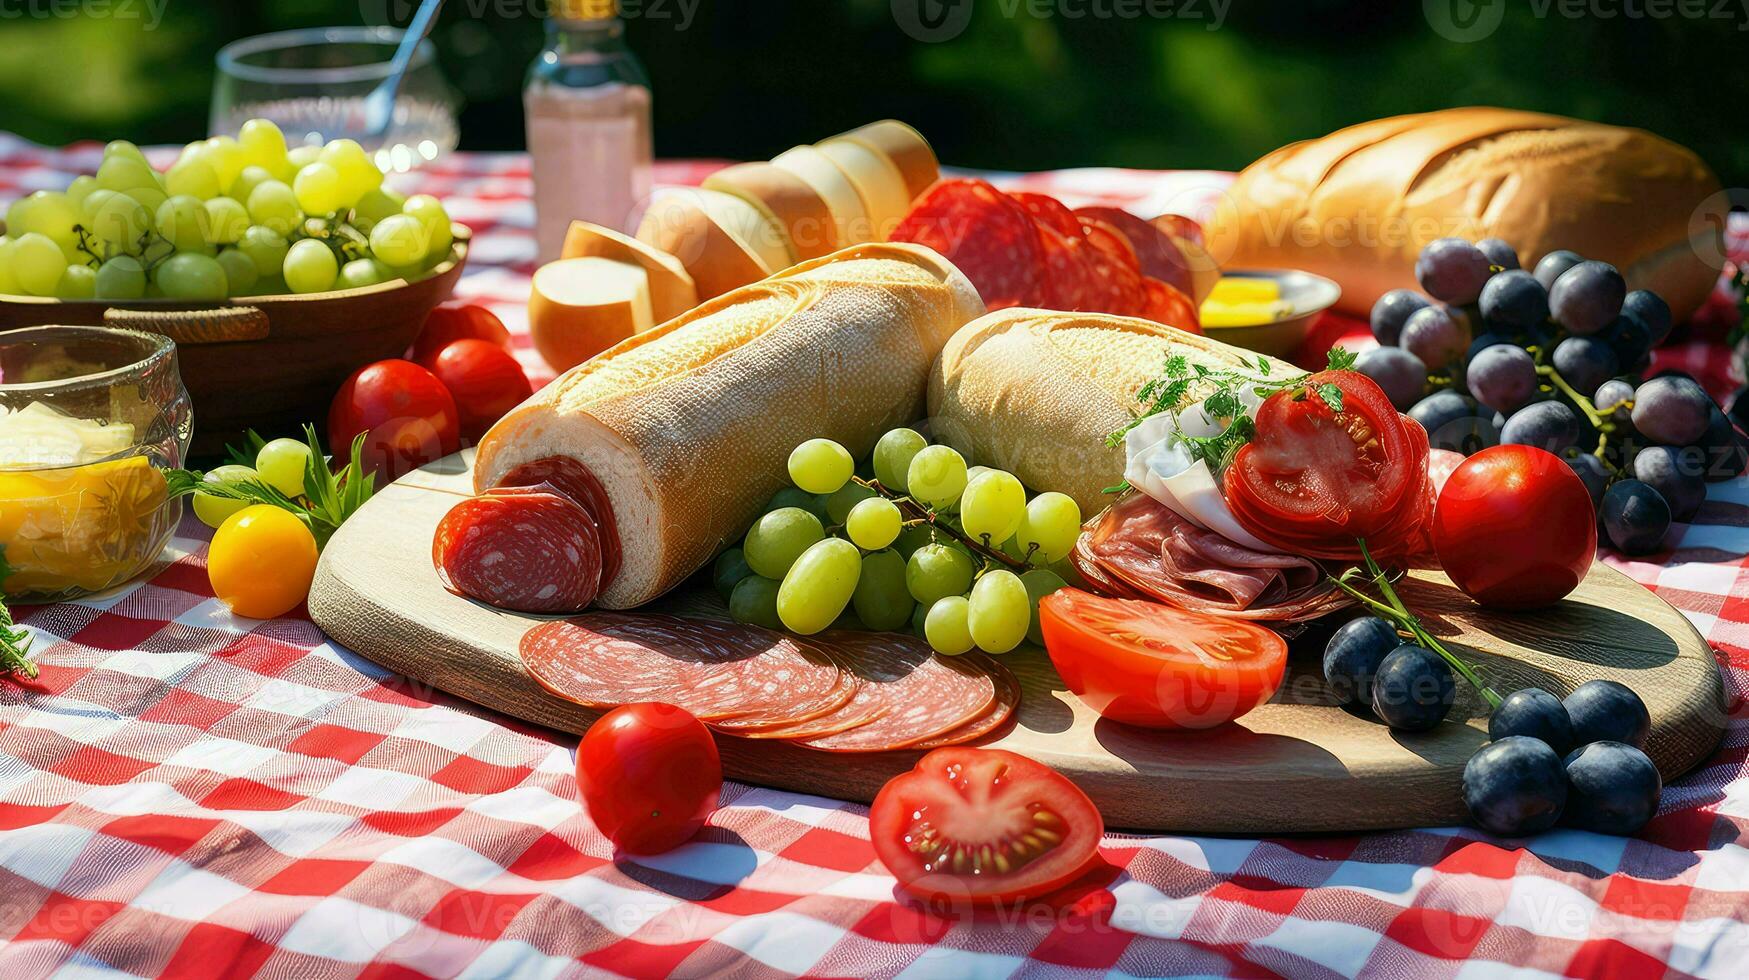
<point>485,381</point>
<point>977,827</point>
<point>409,414</point>
<point>1157,666</point>
<point>1515,528</point>
<point>649,776</point>
<point>450,322</point>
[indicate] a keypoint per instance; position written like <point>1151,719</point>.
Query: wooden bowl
<point>269,363</point>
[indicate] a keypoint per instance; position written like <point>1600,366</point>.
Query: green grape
<point>121,174</point>
<point>936,571</point>
<point>225,155</point>
<point>318,190</point>
<point>399,240</point>
<point>999,611</point>
<point>122,148</point>
<point>358,175</point>
<point>251,178</point>
<point>429,210</point>
<point>791,497</point>
<point>362,272</point>
<point>122,277</point>
<point>1039,582</point>
<point>881,600</point>
<point>281,464</point>
<point>1050,527</point>
<point>212,509</point>
<point>754,600</point>
<point>874,524</point>
<point>728,571</point>
<point>376,205</point>
<point>819,465</point>
<point>892,457</point>
<point>8,275</point>
<point>116,219</point>
<point>841,500</point>
<point>77,282</point>
<point>190,275</point>
<point>310,267</point>
<point>151,198</point>
<point>81,186</point>
<point>777,539</point>
<point>274,205</point>
<point>38,263</point>
<point>183,220</point>
<point>263,145</point>
<point>936,476</point>
<point>919,616</point>
<point>226,221</point>
<point>241,274</point>
<point>819,585</point>
<point>946,626</point>
<point>193,177</point>
<point>264,246</point>
<point>912,538</point>
<point>302,156</point>
<point>50,213</point>
<point>992,506</point>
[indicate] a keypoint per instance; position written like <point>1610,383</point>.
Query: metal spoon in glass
<point>379,105</point>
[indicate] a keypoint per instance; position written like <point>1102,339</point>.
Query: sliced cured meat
<point>717,671</point>
<point>912,694</point>
<point>1168,305</point>
<point>1048,211</point>
<point>531,549</point>
<point>571,478</point>
<point>1118,271</point>
<point>1179,226</point>
<point>983,232</point>
<point>1152,550</point>
<point>993,718</point>
<point>1156,254</point>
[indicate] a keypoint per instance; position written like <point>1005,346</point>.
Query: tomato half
<point>409,414</point>
<point>1514,527</point>
<point>485,381</point>
<point>449,323</point>
<point>649,776</point>
<point>1157,666</point>
<point>977,827</point>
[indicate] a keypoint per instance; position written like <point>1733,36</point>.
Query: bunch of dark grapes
<point>1490,353</point>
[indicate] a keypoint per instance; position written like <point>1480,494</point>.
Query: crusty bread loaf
<point>688,425</point>
<point>1035,392</point>
<point>1359,204</point>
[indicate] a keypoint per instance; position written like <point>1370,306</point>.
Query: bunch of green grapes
<point>234,216</point>
<point>913,539</point>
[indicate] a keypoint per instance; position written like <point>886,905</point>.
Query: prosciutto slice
<point>1140,548</point>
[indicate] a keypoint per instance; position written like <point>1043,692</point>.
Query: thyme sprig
<point>14,642</point>
<point>329,497</point>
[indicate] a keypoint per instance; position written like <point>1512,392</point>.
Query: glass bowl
<point>90,417</point>
<point>312,83</point>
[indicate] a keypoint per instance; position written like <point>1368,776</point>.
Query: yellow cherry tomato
<point>261,562</point>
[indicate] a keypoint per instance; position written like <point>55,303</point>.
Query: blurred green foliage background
<point>1013,90</point>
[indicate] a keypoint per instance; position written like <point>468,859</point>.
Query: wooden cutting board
<point>1297,764</point>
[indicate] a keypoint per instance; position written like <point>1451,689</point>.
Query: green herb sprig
<point>329,497</point>
<point>14,642</point>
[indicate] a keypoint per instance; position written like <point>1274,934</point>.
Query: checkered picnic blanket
<point>186,793</point>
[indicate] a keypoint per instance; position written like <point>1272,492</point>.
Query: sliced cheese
<point>581,307</point>
<point>842,198</point>
<point>786,200</point>
<point>905,148</point>
<point>672,291</point>
<point>875,178</point>
<point>677,222</point>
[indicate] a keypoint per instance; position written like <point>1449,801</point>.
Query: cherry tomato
<point>485,381</point>
<point>1157,666</point>
<point>649,776</point>
<point>974,827</point>
<point>451,322</point>
<point>261,562</point>
<point>409,414</point>
<point>1515,528</point>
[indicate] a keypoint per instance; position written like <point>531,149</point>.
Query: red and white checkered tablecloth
<point>185,793</point>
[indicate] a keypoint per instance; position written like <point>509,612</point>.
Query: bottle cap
<point>585,9</point>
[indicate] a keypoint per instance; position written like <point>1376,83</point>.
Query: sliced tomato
<point>1157,666</point>
<point>976,827</point>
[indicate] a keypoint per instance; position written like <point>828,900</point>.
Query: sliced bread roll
<point>1036,392</point>
<point>785,199</point>
<point>578,308</point>
<point>876,179</point>
<point>842,198</point>
<point>688,426</point>
<point>905,148</point>
<point>714,254</point>
<point>672,291</point>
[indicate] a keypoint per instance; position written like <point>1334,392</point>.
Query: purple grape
<point>1391,311</point>
<point>1514,302</point>
<point>1400,373</point>
<point>1593,474</point>
<point>1546,425</point>
<point>1723,448</point>
<point>1453,270</point>
<point>1672,410</point>
<point>1454,422</point>
<point>1515,786</point>
<point>1436,335</point>
<point>1587,297</point>
<point>1635,517</point>
<point>1610,397</point>
<point>1502,377</point>
<point>1532,712</point>
<point>1353,655</point>
<point>1585,362</point>
<point>1499,253</point>
<point>1413,689</point>
<point>1677,475</point>
<point>1651,310</point>
<point>1612,788</point>
<point>1607,711</point>
<point>1554,264</point>
<point>1629,338</point>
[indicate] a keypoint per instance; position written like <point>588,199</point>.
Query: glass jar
<point>90,417</point>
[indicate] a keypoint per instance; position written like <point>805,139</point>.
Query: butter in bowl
<point>1266,310</point>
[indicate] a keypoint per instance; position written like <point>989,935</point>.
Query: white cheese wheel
<point>875,178</point>
<point>672,291</point>
<point>581,307</point>
<point>842,198</point>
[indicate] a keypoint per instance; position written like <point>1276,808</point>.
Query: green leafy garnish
<point>1340,359</point>
<point>14,642</point>
<point>329,498</point>
<point>1332,396</point>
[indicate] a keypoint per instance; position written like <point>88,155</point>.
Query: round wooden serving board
<point>1297,764</point>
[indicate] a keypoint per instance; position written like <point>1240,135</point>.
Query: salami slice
<point>1170,306</point>
<point>531,549</point>
<point>1157,255</point>
<point>1048,211</point>
<point>1119,273</point>
<point>913,694</point>
<point>571,478</point>
<point>983,232</point>
<point>993,718</point>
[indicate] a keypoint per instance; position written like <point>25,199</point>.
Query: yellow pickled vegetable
<point>1243,302</point>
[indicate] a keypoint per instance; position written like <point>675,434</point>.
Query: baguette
<point>1359,204</point>
<point>688,426</point>
<point>1036,392</point>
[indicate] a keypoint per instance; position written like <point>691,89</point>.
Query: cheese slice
<point>678,222</point>
<point>581,307</point>
<point>785,199</point>
<point>875,178</point>
<point>672,291</point>
<point>905,148</point>
<point>842,198</point>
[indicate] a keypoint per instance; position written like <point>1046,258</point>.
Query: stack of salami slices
<point>838,692</point>
<point>1027,249</point>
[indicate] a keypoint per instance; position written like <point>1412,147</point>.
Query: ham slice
<point>1140,548</point>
